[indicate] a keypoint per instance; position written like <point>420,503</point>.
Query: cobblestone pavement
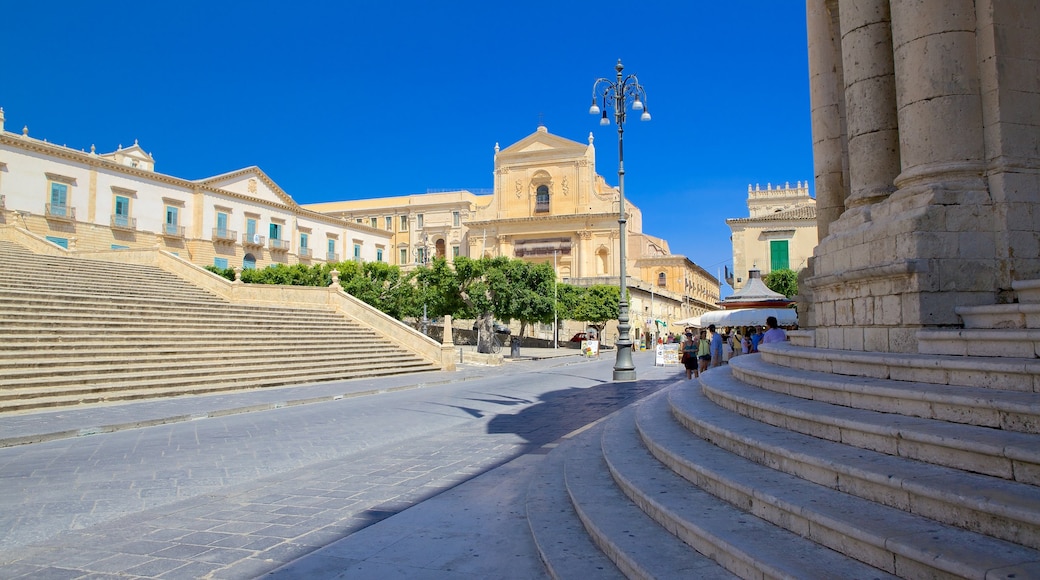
<point>245,494</point>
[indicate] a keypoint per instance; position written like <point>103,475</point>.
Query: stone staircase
<point>78,331</point>
<point>802,462</point>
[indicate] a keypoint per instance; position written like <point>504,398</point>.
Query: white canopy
<point>749,317</point>
<point>694,321</point>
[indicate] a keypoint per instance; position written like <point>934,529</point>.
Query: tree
<point>380,285</point>
<point>530,296</point>
<point>782,280</point>
<point>598,304</point>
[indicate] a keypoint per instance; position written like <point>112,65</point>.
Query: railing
<point>224,235</point>
<point>305,253</point>
<point>253,240</point>
<point>61,212</point>
<point>332,257</point>
<point>173,231</point>
<point>123,222</point>
<point>279,245</point>
<point>541,207</point>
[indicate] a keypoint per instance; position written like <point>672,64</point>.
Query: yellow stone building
<point>548,205</point>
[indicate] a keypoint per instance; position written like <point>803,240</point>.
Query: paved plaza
<point>419,476</point>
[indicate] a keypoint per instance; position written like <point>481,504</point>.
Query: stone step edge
<point>936,368</point>
<point>1009,455</point>
<point>638,544</point>
<point>167,377</point>
<point>979,406</point>
<point>932,491</point>
<point>741,541</point>
<point>197,389</point>
<point>882,536</point>
<point>15,375</point>
<point>563,544</point>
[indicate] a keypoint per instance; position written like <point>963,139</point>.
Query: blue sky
<point>349,100</point>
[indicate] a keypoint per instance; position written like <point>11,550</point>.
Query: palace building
<point>548,205</point>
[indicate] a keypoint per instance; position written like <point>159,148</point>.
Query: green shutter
<point>778,256</point>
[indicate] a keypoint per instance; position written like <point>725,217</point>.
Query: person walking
<point>715,346</point>
<point>689,356</point>
<point>703,352</point>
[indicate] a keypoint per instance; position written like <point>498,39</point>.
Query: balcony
<point>277,245</point>
<point>332,257</point>
<point>172,231</point>
<point>60,212</point>
<point>224,235</point>
<point>305,253</point>
<point>123,222</point>
<point>253,240</point>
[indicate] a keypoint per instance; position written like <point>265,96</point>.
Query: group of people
<point>711,348</point>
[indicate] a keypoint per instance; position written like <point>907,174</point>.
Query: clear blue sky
<point>348,100</point>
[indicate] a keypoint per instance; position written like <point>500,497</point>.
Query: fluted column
<point>828,112</point>
<point>938,96</point>
<point>870,101</point>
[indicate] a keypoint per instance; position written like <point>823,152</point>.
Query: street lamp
<point>615,95</point>
<point>422,258</point>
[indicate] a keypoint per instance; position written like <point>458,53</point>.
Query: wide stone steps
<point>76,331</point>
<point>147,386</point>
<point>980,406</point>
<point>787,479</point>
<point>1014,374</point>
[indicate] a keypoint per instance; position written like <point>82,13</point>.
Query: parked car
<point>578,337</point>
<point>497,327</point>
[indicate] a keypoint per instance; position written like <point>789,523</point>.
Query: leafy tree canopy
<point>782,280</point>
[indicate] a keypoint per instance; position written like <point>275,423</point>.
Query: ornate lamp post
<point>616,95</point>
<point>422,258</point>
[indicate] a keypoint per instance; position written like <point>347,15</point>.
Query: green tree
<point>380,285</point>
<point>598,304</point>
<point>782,280</point>
<point>530,296</point>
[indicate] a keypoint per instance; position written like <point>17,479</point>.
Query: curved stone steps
<point>1013,374</point>
<point>1001,409</point>
<point>740,541</point>
<point>902,543</point>
<point>982,504</point>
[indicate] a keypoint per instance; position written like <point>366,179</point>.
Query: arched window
<point>248,262</point>
<point>662,279</point>
<point>541,201</point>
<point>602,265</point>
<point>439,244</point>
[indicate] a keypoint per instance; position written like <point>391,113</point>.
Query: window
<point>59,199</point>
<point>359,220</point>
<point>276,231</point>
<point>249,262</point>
<point>420,255</point>
<point>121,217</point>
<point>171,226</point>
<point>120,247</point>
<point>303,240</point>
<point>456,219</point>
<point>330,250</point>
<point>404,223</point>
<point>404,256</point>
<point>419,221</point>
<point>374,222</point>
<point>222,222</point>
<point>220,263</point>
<point>379,254</point>
<point>541,204</point>
<point>662,279</point>
<point>455,251</point>
<point>63,242</point>
<point>357,252</point>
<point>389,223</point>
<point>250,227</point>
<point>778,255</point>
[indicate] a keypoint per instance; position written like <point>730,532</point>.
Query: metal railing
<point>332,257</point>
<point>279,245</point>
<point>305,253</point>
<point>224,234</point>
<point>253,240</point>
<point>173,231</point>
<point>123,222</point>
<point>63,212</point>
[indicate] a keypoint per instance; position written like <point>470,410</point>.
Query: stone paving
<point>244,494</point>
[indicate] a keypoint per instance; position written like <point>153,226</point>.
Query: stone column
<point>938,93</point>
<point>870,101</point>
<point>828,112</point>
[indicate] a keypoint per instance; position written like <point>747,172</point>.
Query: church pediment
<point>251,182</point>
<point>541,141</point>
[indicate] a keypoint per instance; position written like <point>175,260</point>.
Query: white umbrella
<point>749,317</point>
<point>694,321</point>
